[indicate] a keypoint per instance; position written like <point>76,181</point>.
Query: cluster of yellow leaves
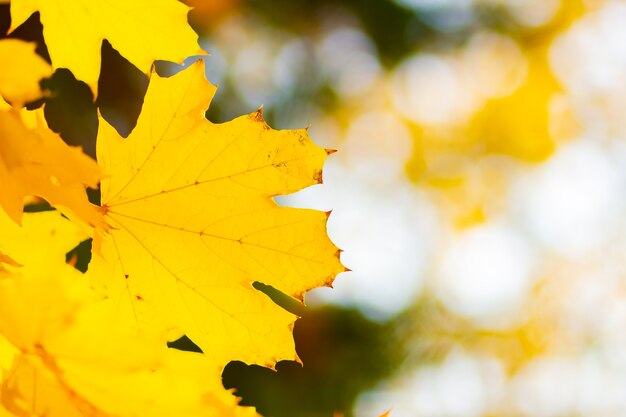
<point>61,355</point>
<point>187,224</point>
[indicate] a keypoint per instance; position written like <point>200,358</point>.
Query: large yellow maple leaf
<point>35,161</point>
<point>62,355</point>
<point>193,223</point>
<point>141,30</point>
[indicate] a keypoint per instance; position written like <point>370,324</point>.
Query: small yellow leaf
<point>142,31</point>
<point>21,71</point>
<point>194,224</point>
<point>38,162</point>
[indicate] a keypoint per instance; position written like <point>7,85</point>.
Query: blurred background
<point>478,194</point>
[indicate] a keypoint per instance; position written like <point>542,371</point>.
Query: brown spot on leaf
<point>317,176</point>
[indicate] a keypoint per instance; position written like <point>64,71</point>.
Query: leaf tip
<point>6,259</point>
<point>271,364</point>
<point>257,116</point>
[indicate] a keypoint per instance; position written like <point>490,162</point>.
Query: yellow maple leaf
<point>36,161</point>
<point>194,223</point>
<point>142,31</point>
<point>61,355</point>
<point>21,71</point>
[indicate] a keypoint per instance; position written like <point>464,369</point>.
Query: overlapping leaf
<point>61,355</point>
<point>194,223</point>
<point>142,31</point>
<point>35,161</point>
<point>21,71</point>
